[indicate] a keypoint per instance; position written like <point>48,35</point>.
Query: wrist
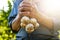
<point>16,23</point>
<point>17,18</point>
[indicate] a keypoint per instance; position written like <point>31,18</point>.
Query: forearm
<point>45,21</point>
<point>16,23</point>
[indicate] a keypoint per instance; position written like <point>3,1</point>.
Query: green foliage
<point>5,31</point>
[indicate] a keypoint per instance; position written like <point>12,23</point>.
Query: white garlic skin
<point>25,19</point>
<point>37,25</point>
<point>29,24</point>
<point>23,25</point>
<point>29,28</point>
<point>33,21</point>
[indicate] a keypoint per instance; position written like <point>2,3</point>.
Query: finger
<point>28,3</point>
<point>23,9</point>
<point>25,13</point>
<point>25,3</point>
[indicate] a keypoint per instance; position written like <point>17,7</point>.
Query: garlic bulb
<point>29,24</point>
<point>23,25</point>
<point>37,25</point>
<point>33,21</point>
<point>29,28</point>
<point>25,19</point>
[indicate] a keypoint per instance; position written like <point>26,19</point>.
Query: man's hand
<point>24,9</point>
<point>27,9</point>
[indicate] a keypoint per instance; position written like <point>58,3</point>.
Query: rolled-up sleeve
<point>13,13</point>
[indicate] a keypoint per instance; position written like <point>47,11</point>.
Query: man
<point>48,27</point>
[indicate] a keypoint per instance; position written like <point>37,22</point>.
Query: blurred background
<point>5,9</point>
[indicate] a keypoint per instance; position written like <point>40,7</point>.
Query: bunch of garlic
<point>29,24</point>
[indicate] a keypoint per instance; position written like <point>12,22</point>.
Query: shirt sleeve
<point>56,24</point>
<point>13,13</point>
